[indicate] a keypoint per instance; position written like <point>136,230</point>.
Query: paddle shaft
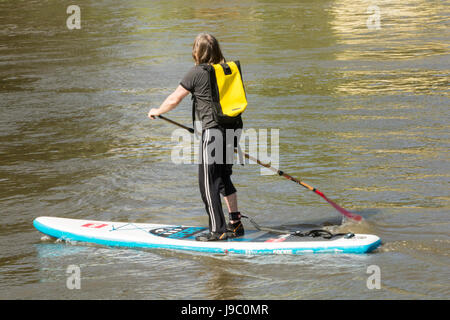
<point>280,173</point>
<point>191,130</point>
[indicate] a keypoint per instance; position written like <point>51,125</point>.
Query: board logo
<point>176,232</point>
<point>279,238</point>
<point>94,225</point>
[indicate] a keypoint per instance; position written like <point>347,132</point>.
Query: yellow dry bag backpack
<point>227,92</point>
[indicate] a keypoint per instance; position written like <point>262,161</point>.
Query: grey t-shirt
<point>196,81</point>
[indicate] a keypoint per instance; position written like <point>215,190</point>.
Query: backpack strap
<point>194,104</point>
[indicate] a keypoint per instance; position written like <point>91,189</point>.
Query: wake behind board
<point>145,235</point>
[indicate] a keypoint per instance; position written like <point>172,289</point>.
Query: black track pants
<point>214,177</point>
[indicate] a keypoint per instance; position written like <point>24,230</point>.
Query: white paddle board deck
<point>176,237</point>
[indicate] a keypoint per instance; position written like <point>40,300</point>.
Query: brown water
<point>363,115</point>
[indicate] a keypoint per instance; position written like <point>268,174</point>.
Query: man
<point>214,176</point>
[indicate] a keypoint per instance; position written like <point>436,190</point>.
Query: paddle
<point>344,212</point>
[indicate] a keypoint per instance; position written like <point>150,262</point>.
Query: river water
<point>359,91</point>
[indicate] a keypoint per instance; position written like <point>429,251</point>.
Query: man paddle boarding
<point>218,100</point>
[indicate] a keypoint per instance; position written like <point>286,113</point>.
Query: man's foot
<point>235,226</point>
<point>236,229</point>
<point>212,236</point>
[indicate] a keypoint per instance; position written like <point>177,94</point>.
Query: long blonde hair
<point>206,49</point>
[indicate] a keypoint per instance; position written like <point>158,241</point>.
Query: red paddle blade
<point>346,213</point>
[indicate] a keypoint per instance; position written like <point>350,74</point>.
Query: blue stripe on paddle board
<point>119,243</point>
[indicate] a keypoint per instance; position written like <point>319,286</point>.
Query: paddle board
<point>179,237</point>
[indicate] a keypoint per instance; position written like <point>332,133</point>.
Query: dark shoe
<point>236,229</point>
<point>212,236</point>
